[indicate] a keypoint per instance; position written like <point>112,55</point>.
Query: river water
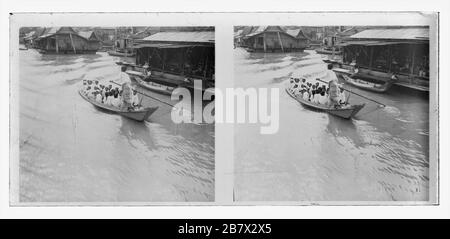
<point>71,151</point>
<point>382,155</point>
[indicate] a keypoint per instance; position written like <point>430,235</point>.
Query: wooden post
<point>264,41</point>
<point>183,60</point>
<point>164,59</point>
<point>56,43</point>
<point>206,66</point>
<point>390,57</point>
<point>71,41</point>
<point>412,60</point>
<point>281,43</point>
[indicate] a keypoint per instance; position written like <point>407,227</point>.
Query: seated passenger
<point>303,84</point>
<point>108,99</point>
<point>116,102</point>
<point>98,97</point>
<point>306,95</point>
<point>135,99</point>
<point>316,97</point>
<point>323,99</point>
<point>342,98</point>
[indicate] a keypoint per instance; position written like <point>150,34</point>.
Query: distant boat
<point>139,115</point>
<point>345,113</point>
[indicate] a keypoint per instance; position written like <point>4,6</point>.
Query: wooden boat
<point>149,85</point>
<point>345,113</point>
<point>365,85</point>
<point>327,51</point>
<point>155,87</point>
<point>139,115</point>
<point>118,53</point>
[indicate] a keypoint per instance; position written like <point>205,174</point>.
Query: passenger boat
<point>346,113</point>
<point>139,115</point>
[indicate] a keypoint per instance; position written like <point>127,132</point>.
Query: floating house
<point>274,39</point>
<point>65,40</point>
<point>178,58</point>
<point>380,53</point>
<point>106,36</point>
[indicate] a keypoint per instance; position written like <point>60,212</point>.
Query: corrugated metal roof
<point>200,36</point>
<point>397,34</point>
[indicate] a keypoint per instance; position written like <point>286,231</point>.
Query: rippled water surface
<point>380,155</point>
<point>71,151</point>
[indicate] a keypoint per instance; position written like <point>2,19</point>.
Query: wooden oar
<point>355,93</point>
<point>147,95</point>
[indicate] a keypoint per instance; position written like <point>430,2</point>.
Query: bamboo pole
<point>264,41</point>
<point>281,43</point>
<point>56,43</point>
<point>73,46</point>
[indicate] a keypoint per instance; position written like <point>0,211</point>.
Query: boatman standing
<point>333,85</point>
<point>125,82</point>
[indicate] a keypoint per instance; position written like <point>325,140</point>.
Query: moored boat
<point>139,115</point>
<point>345,112</point>
<point>155,87</point>
<point>118,53</point>
<point>364,81</point>
<point>366,85</point>
<point>327,51</point>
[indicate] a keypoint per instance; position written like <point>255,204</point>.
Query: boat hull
<point>345,113</point>
<point>376,88</point>
<point>162,89</point>
<point>116,53</point>
<point>138,115</point>
<point>327,52</point>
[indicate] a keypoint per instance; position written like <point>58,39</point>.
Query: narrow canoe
<point>116,53</point>
<point>379,88</point>
<point>139,115</point>
<point>345,113</point>
<point>327,52</point>
<point>155,87</point>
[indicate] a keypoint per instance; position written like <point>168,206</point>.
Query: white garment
<point>316,98</point>
<point>331,75</point>
<point>116,102</point>
<point>108,100</point>
<point>323,99</point>
<point>135,99</point>
<point>305,95</point>
<point>98,98</point>
<point>123,78</point>
<point>342,97</point>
